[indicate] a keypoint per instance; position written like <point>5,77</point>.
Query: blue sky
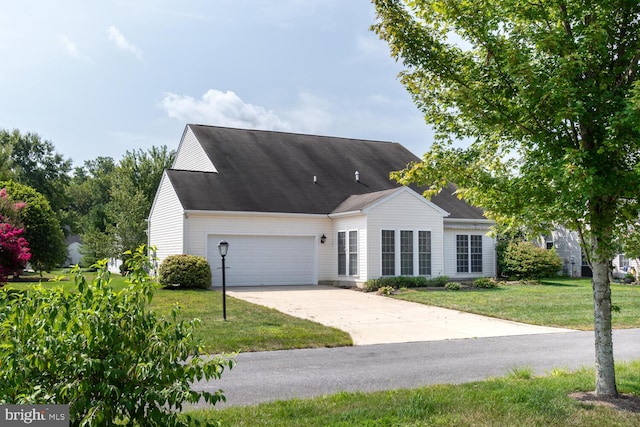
<point>101,78</point>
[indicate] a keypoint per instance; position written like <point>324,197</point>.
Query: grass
<point>519,399</point>
<point>249,327</point>
<point>566,303</point>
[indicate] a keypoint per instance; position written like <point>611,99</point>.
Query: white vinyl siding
<point>409,212</point>
<point>166,221</point>
<point>485,261</point>
<point>191,155</point>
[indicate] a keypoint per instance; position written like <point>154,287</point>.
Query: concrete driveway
<point>376,319</point>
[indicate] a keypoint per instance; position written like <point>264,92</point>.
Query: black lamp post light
<point>223,247</point>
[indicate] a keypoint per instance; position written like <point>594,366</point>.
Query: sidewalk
<point>375,319</point>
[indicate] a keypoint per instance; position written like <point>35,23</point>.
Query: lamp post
<point>223,247</point>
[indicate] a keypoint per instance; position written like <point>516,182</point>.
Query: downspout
<point>185,231</point>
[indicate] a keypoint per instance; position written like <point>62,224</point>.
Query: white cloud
<point>311,114</point>
<point>122,43</point>
<point>72,49</point>
<point>69,46</point>
<point>222,109</point>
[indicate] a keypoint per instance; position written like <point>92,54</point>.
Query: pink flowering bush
<point>14,249</point>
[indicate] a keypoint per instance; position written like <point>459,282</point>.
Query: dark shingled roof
<point>266,171</point>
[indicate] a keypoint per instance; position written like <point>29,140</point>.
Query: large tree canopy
<point>33,161</point>
<point>41,227</point>
<point>546,94</point>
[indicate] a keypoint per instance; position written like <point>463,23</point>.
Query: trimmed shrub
<point>524,260</point>
<point>397,282</point>
<point>186,271</point>
<point>485,282</point>
<point>437,282</point>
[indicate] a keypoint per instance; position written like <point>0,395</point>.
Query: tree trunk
<point>605,367</point>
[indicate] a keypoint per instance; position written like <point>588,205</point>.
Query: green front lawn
<point>249,327</point>
<point>520,399</point>
<point>565,303</point>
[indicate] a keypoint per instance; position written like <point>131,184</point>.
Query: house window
<point>623,262</point>
<point>388,253</point>
<point>406,253</point>
<point>424,253</point>
<point>476,254</point>
<point>348,253</point>
<point>468,253</point>
<point>342,253</point>
<point>462,253</point>
<point>353,253</point>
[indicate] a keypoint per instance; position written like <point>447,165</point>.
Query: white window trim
<point>469,254</point>
<point>416,248</point>
<point>347,253</point>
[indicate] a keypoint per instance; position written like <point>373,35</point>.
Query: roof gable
<point>366,202</point>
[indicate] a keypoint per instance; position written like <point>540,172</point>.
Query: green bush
<point>453,286</point>
<point>524,260</point>
<point>187,271</point>
<point>385,290</point>
<point>437,282</point>
<point>485,282</point>
<point>397,282</point>
<point>105,353</point>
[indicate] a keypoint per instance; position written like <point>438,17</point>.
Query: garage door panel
<point>264,260</point>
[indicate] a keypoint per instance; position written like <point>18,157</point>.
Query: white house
<point>305,210</point>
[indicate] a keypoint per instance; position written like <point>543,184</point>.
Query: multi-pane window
<point>348,253</point>
<point>342,253</point>
<point>462,253</point>
<point>401,248</point>
<point>424,253</point>
<point>476,254</point>
<point>406,253</point>
<point>353,253</point>
<point>388,253</point>
<point>468,253</point>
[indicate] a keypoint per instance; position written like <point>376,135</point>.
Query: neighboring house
<point>305,210</point>
<point>568,247</point>
<point>74,242</point>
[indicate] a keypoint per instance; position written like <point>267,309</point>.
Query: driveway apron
<point>374,319</point>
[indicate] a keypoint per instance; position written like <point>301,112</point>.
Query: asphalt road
<point>281,375</point>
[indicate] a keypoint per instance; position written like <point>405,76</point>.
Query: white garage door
<point>264,260</point>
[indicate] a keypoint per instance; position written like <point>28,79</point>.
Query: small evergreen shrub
<point>524,260</point>
<point>453,286</point>
<point>485,282</point>
<point>186,271</point>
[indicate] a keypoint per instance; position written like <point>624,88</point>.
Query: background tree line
<point>104,201</point>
